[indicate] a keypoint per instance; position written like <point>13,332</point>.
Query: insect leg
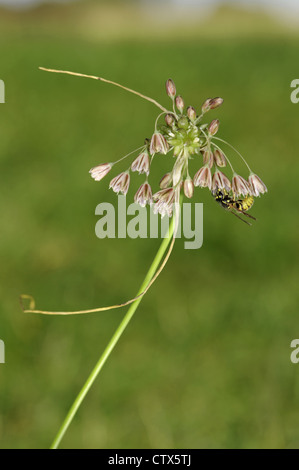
<point>245,221</point>
<point>248,215</point>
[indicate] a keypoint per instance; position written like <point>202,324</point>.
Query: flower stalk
<point>116,336</point>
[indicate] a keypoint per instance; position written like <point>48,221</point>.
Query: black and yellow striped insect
<point>233,205</point>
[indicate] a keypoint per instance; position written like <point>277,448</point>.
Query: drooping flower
<point>203,178</point>
<point>257,186</point>
<point>220,181</point>
<point>98,172</point>
<point>143,195</point>
<point>240,186</point>
<point>158,144</point>
<point>121,183</point>
<point>141,163</point>
<point>164,200</point>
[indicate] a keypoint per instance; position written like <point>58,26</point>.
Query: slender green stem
<point>237,151</point>
<point>147,98</point>
<point>128,154</point>
<point>113,341</point>
<point>158,117</point>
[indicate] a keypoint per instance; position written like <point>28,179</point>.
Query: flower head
<point>183,132</point>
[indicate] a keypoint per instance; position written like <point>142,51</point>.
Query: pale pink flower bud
<point>169,119</point>
<point>143,195</point>
<point>188,187</point>
<point>165,181</point>
<point>170,88</point>
<point>158,144</point>
<point>206,106</point>
<point>256,185</point>
<point>141,163</point>
<point>203,178</point>
<point>98,172</point>
<point>191,113</point>
<point>213,127</point>
<point>208,158</point>
<point>215,103</point>
<point>220,181</point>
<point>120,183</point>
<point>219,158</point>
<point>179,102</point>
<point>240,186</point>
<point>211,103</point>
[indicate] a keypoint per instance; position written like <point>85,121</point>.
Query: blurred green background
<point>205,362</point>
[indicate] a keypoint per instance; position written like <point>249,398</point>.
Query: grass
<point>206,360</point>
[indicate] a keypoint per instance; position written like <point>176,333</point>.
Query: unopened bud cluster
<point>184,136</point>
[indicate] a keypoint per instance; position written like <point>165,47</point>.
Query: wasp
<point>233,205</point>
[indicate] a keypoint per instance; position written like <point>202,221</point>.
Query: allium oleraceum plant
<point>179,135</point>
